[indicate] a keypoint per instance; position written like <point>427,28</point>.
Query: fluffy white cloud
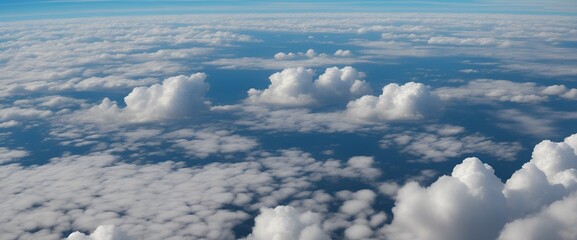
<point>343,53</point>
<point>177,97</point>
<point>308,54</point>
<point>295,87</point>
<point>537,202</point>
<point>17,113</point>
<point>467,205</point>
<point>286,223</point>
<point>358,231</point>
<point>104,232</point>
<point>396,102</point>
<point>556,221</point>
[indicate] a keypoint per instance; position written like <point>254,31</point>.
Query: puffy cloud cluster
<point>537,202</point>
<point>161,200</point>
<point>295,87</point>
<point>411,101</point>
<point>311,53</point>
<point>286,223</point>
<point>308,54</point>
<point>343,53</point>
<point>396,102</point>
<point>506,91</point>
<point>441,142</point>
<point>358,208</point>
<point>177,97</point>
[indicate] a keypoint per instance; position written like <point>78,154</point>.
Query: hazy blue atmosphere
<point>288,120</point>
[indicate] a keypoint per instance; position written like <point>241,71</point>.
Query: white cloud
<point>396,102</point>
<point>291,87</point>
<point>536,202</point>
<point>343,53</point>
<point>467,205</point>
<point>468,41</point>
<point>9,124</point>
<point>552,222</point>
<point>284,56</point>
<point>441,142</point>
<point>207,142</point>
<point>193,143</point>
<point>358,231</point>
<point>295,87</point>
<point>468,70</point>
<point>10,155</point>
<point>17,113</point>
<point>52,102</point>
<point>286,223</point>
<point>104,232</point>
<point>177,97</point>
<point>308,54</point>
<point>505,91</point>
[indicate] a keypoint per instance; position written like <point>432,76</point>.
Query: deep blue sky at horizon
<point>11,10</point>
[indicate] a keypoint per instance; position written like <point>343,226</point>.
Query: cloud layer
<point>441,142</point>
<point>163,200</point>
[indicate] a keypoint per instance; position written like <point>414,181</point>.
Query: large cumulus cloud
<point>409,101</point>
<point>537,202</point>
<point>295,87</point>
<point>287,223</point>
<point>176,97</point>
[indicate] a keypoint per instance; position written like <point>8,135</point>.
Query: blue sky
<point>39,9</point>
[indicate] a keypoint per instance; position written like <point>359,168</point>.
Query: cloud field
<point>289,126</point>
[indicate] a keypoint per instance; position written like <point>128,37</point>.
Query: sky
<point>288,120</point>
<point>42,9</point>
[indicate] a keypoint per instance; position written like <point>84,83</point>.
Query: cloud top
<point>473,203</point>
<point>396,102</point>
<point>287,223</point>
<point>295,87</point>
<point>177,97</point>
<point>103,232</point>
